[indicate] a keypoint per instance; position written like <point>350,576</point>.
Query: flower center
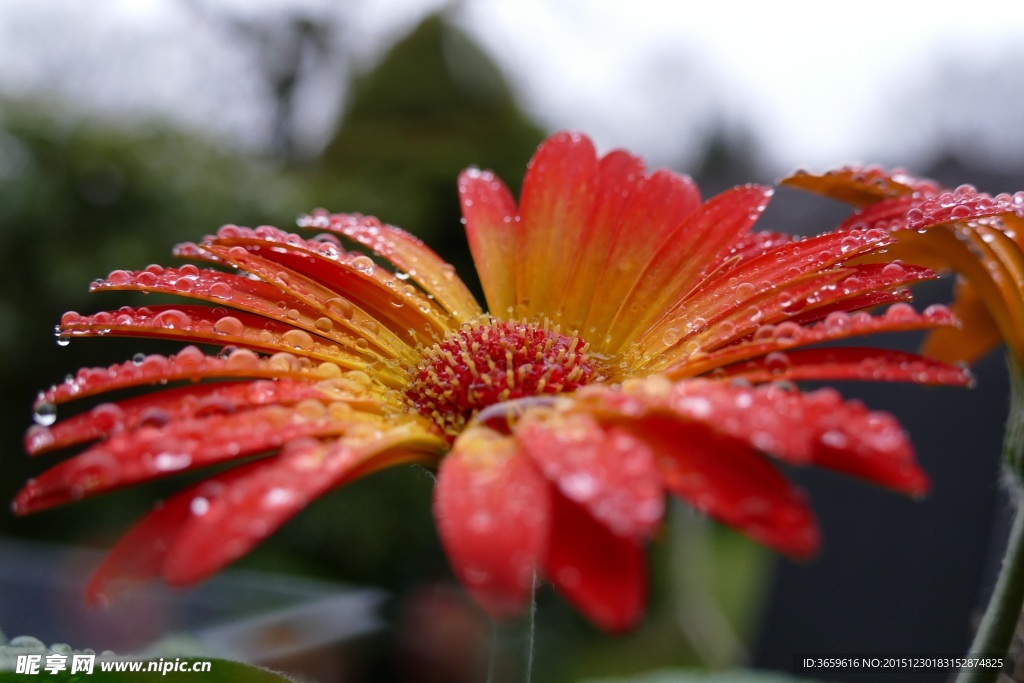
<point>479,366</point>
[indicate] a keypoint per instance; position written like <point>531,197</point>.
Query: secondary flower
<point>639,341</point>
<point>979,236</point>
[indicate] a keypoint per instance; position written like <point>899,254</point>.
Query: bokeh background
<point>128,126</point>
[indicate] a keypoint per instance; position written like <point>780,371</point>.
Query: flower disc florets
<point>478,366</point>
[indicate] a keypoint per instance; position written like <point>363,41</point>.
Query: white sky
<point>819,83</point>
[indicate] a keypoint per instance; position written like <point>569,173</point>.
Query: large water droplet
<point>45,414</point>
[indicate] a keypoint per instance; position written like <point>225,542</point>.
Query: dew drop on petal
<point>229,325</point>
<point>221,290</point>
<point>172,319</point>
<point>671,336</point>
<point>199,506</point>
<point>45,414</point>
<point>298,339</point>
<point>324,324</point>
<point>340,307</point>
<point>364,264</point>
<point>242,359</point>
<point>900,312</point>
<point>119,278</point>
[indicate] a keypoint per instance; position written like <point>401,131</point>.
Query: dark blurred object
<point>442,637</point>
<point>305,627</point>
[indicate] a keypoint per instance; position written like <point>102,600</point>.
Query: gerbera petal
<point>860,186</point>
<point>413,259</point>
<point>493,231</point>
<point>725,478</point>
<point>847,363</point>
<point>606,470</point>
<point>799,428</point>
<point>165,448</point>
<point>977,335</point>
<point>619,175</point>
<point>172,405</point>
<point>326,315</point>
<point>553,209</point>
<point>140,553</point>
<point>191,364</point>
<point>653,221</point>
<point>215,326</point>
<point>677,258</point>
<point>601,573</point>
<point>837,325</point>
<point>318,271</point>
<point>493,514</point>
<point>274,490</point>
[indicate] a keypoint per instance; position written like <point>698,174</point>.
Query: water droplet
<point>298,339</point>
<point>340,307</point>
<point>671,336</point>
<point>229,325</point>
<point>744,291</point>
<point>172,319</point>
<point>45,414</point>
<point>324,324</point>
<point>364,264</point>
<point>221,290</point>
<point>199,506</point>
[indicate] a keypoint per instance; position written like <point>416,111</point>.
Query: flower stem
<point>1004,608</point>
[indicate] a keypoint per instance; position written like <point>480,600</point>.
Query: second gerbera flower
<point>558,420</point>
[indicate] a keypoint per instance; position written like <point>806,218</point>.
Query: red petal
<point>607,470</point>
<point>726,479</point>
<point>172,405</point>
<point>254,506</point>
<point>602,574</point>
<point>800,428</point>
<point>849,363</point>
<point>492,509</point>
<point>164,449</point>
<point>618,177</point>
<point>140,553</point>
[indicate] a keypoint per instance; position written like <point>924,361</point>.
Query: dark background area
<point>81,195</point>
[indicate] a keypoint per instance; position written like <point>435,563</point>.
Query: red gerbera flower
<point>638,342</point>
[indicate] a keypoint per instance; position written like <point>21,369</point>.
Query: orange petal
<point>412,258</point>
<point>553,210</point>
<point>493,231</point>
<point>492,510</point>
<point>678,257</point>
<point>859,186</point>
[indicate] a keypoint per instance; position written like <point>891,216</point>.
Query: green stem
<point>1004,608</point>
